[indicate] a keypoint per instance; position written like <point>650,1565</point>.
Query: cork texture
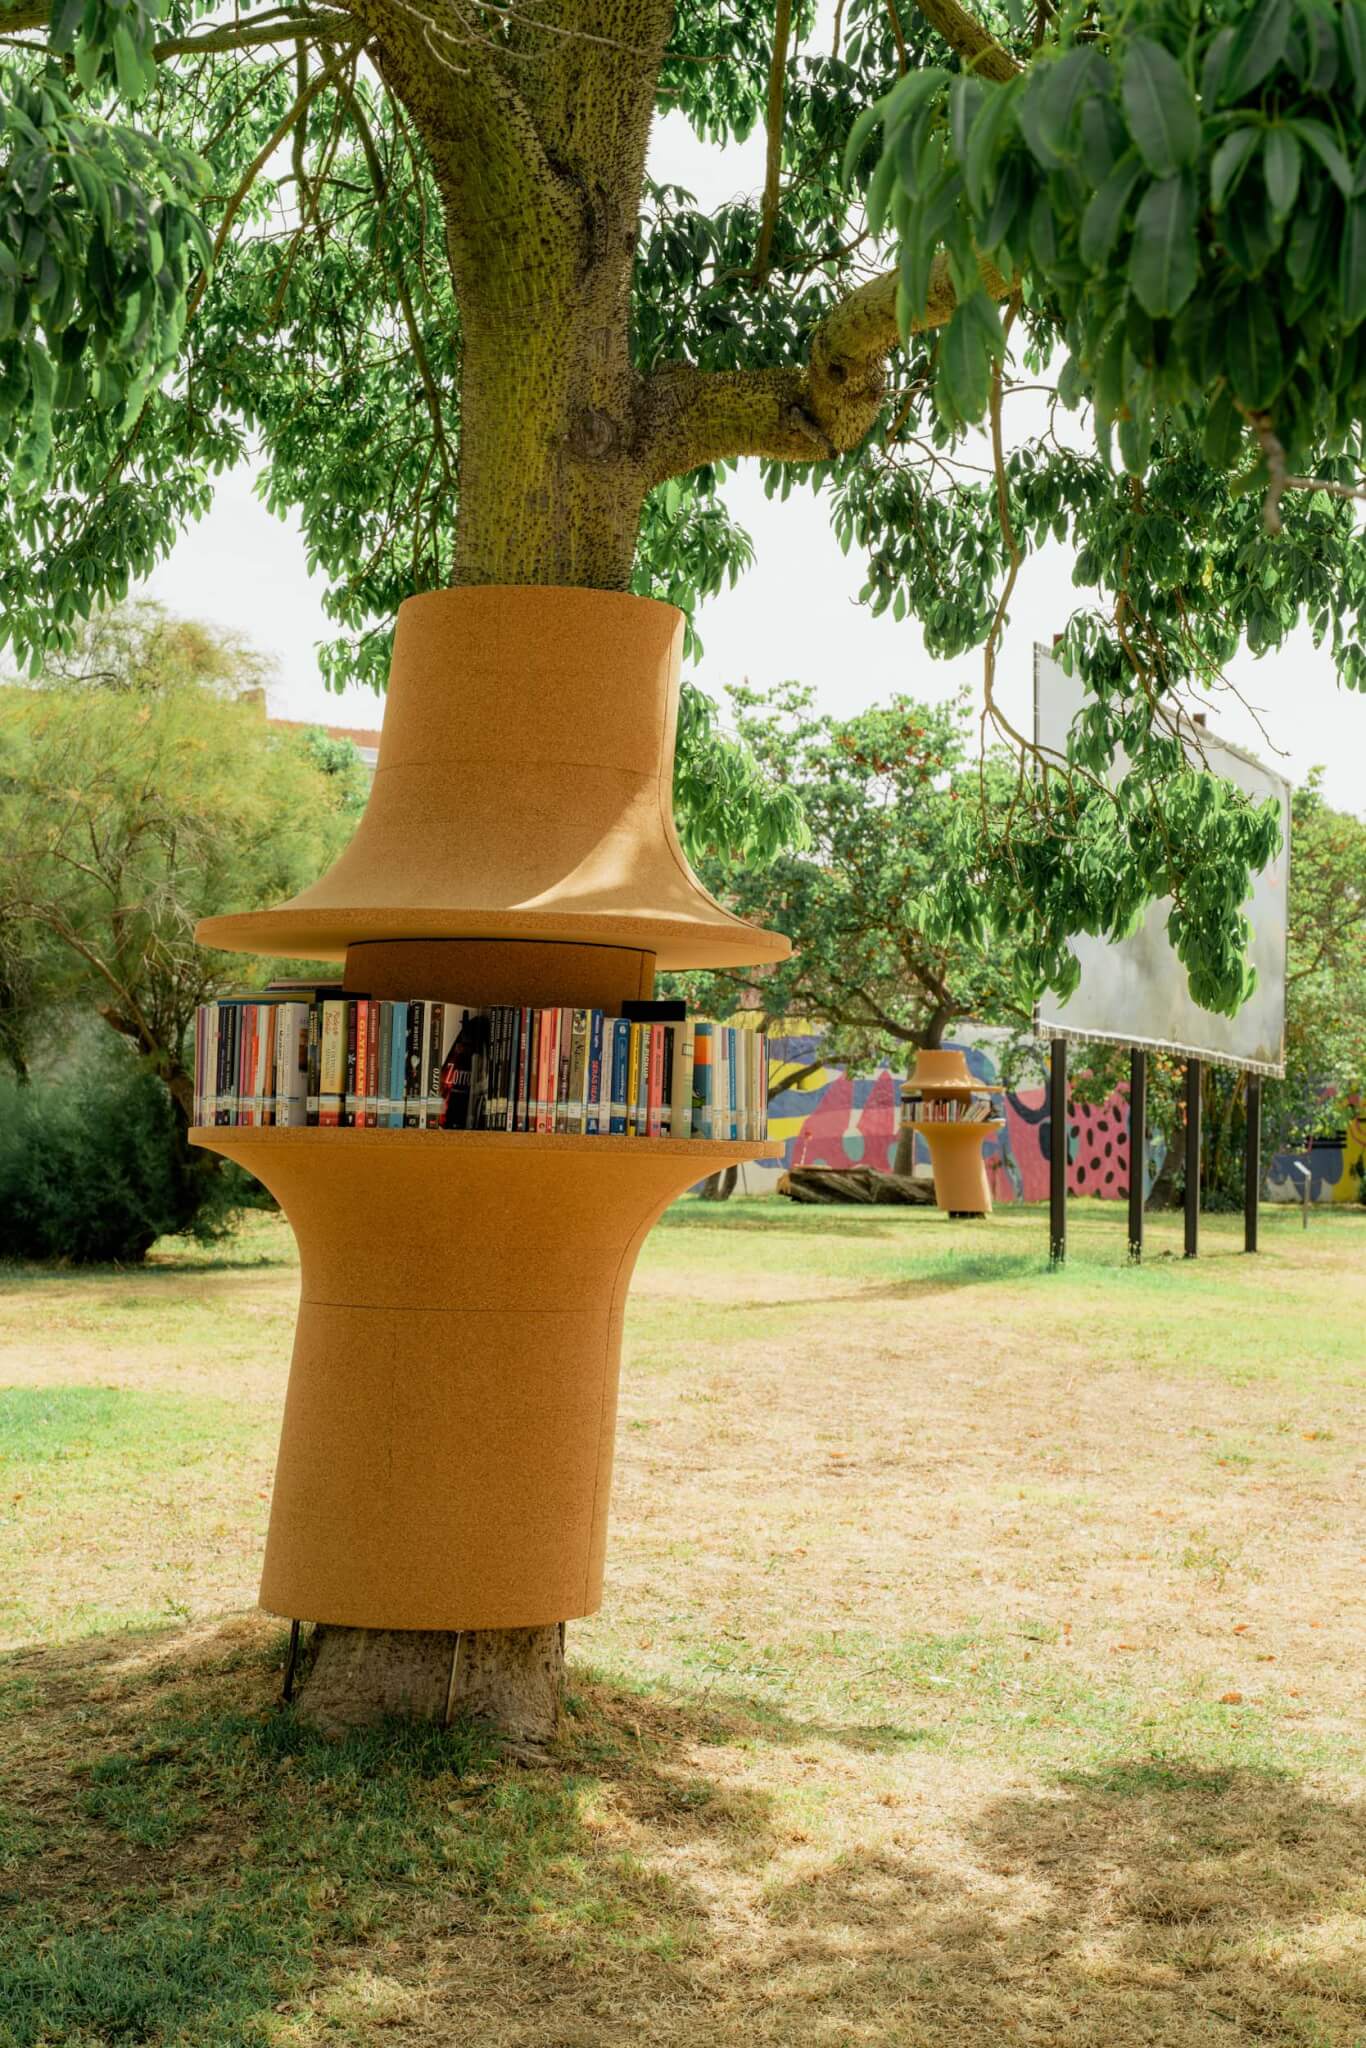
<point>446,1455</point>
<point>960,1172</point>
<point>524,791</point>
<point>501,971</point>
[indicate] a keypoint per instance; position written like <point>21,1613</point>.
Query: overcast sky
<point>794,615</point>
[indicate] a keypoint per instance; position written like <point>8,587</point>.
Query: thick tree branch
<point>981,53</point>
<point>792,413</point>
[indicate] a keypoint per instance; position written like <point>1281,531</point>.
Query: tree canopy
<point>136,798</point>
<point>413,257</point>
<point>879,794</point>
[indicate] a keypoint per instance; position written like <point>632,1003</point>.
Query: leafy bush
<point>93,1169</point>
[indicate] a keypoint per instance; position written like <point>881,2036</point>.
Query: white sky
<point>794,615</point>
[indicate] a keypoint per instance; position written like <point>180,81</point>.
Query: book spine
<point>732,1102</point>
<point>620,1065</point>
<point>220,1086</point>
<point>742,1084</point>
<point>372,1066</point>
<point>578,1066</point>
<point>245,1062</point>
<point>414,1104</point>
<point>633,1080</point>
<point>436,1059</point>
<point>348,1110</point>
<point>314,1056</point>
<point>721,1086</point>
<point>683,1080</point>
<point>522,1102</point>
<point>383,1092</point>
<point>701,1081</point>
<point>397,1064</point>
<point>298,1042</point>
<point>602,1106</point>
<point>564,1063</point>
<point>654,1096</point>
<point>667,1074</point>
<point>267,1054</point>
<point>593,1084</point>
<point>332,1065</point>
<point>763,1087</point>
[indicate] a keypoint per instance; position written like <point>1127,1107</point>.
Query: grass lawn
<point>981,1663</point>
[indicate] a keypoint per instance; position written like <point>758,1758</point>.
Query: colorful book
<point>332,1064</point>
<point>683,1081</point>
<point>620,1070</point>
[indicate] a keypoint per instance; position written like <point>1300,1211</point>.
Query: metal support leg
<point>1252,1162</point>
<point>1193,1103</point>
<point>1138,1147</point>
<point>1057,1159</point>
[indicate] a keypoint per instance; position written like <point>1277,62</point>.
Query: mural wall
<point>833,1118</point>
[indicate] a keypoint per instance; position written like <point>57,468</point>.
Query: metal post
<point>1193,1077</point>
<point>1138,1147</point>
<point>1057,1155</point>
<point>1252,1162</point>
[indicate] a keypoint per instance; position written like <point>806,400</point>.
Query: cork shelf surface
<point>221,1137</point>
<point>524,791</point>
<point>446,1454</point>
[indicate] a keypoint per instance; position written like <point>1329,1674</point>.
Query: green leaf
<point>1258,47</point>
<point>1255,354</point>
<point>1353,29</point>
<point>63,21</point>
<point>1051,101</point>
<point>984,138</point>
<point>1223,437</point>
<point>1162,256</point>
<point>1352,264</point>
<point>965,362</point>
<point>858,136</point>
<point>1100,223</point>
<point>1160,108</point>
<point>1230,161</point>
<point>1318,138</point>
<point>1281,169</point>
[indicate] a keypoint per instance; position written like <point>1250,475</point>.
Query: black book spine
<point>221,1111</point>
<point>349,1098</point>
<point>413,1079</point>
<point>315,1048</point>
<point>666,1092</point>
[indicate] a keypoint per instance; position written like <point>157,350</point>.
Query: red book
<point>372,1089</point>
<point>654,1101</point>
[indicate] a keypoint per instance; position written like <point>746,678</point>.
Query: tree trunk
<point>540,162</point>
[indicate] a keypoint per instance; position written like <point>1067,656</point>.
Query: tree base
<point>512,1678</point>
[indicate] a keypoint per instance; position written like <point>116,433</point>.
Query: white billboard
<point>1135,992</point>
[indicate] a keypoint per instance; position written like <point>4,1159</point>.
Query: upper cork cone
<point>524,791</point>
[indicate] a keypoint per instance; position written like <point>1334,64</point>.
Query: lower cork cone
<point>960,1172</point>
<point>446,1456</point>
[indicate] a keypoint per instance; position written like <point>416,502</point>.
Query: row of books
<point>947,1109</point>
<point>356,1061</point>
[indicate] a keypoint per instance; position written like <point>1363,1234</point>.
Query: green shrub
<point>94,1168</point>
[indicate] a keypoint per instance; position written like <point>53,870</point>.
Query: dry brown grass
<point>981,1663</point>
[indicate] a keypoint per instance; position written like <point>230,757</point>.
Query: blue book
<point>393,1088</point>
<point>592,1094</point>
<point>621,1061</point>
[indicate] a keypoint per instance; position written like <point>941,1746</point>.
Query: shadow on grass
<point>182,1864</point>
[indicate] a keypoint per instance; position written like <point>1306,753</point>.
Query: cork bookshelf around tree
<point>960,1175</point>
<point>446,1454</point>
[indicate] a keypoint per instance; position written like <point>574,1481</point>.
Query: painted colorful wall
<point>833,1118</point>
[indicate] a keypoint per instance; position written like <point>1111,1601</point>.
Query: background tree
<point>474,342</point>
<point>137,795</point>
<point>879,794</point>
